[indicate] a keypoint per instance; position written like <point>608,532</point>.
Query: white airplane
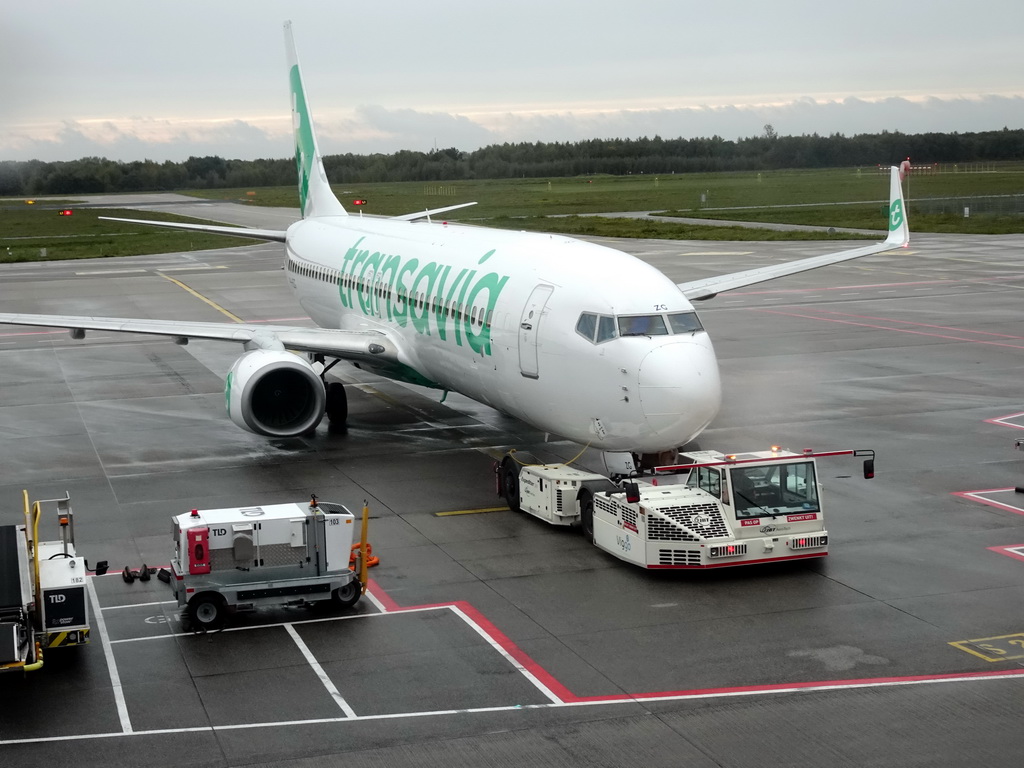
<point>576,339</point>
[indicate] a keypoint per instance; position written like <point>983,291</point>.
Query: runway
<point>489,638</point>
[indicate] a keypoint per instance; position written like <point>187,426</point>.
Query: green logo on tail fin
<point>895,215</point>
<point>305,152</point>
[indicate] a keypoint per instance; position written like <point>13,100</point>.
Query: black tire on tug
<point>587,514</point>
<point>207,611</point>
<point>337,403</point>
<point>510,484</point>
<point>347,596</point>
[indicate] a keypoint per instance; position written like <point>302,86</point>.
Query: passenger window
<point>684,322</point>
<point>586,326</point>
<point>642,325</point>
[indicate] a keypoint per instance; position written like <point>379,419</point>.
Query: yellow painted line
<point>999,648</point>
<point>200,296</point>
<point>470,511</point>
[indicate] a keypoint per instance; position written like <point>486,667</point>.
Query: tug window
<point>707,479</point>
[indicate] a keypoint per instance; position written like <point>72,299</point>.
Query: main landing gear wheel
<point>206,611</point>
<point>510,484</point>
<point>337,404</point>
<point>347,596</point>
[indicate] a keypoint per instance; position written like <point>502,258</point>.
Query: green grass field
<point>690,195</point>
<point>25,233</point>
<point>844,197</point>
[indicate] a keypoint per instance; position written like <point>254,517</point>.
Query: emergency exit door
<point>529,326</point>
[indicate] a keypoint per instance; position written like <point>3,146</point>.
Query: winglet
<point>899,229</point>
<point>315,195</point>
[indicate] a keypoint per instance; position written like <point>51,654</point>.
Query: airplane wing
<point>432,212</point>
<point>899,236</point>
<point>350,345</point>
<point>274,235</point>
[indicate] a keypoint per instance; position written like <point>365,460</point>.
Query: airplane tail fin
<point>315,195</point>
<point>899,229</point>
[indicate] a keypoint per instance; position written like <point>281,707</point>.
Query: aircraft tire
<point>337,403</point>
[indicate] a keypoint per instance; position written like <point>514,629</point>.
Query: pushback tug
<point>710,511</point>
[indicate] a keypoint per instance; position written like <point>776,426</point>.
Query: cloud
<point>146,139</point>
<point>373,128</point>
<point>376,129</point>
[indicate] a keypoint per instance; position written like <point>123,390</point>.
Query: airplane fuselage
<point>499,317</point>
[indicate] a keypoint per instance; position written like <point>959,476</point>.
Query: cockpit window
<point>600,328</point>
<point>684,322</point>
<point>587,325</point>
<point>605,328</point>
<point>642,325</point>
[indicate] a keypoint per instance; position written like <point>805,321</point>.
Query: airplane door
<point>529,325</point>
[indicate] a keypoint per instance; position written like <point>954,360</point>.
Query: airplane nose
<point>680,392</point>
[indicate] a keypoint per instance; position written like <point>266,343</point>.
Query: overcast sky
<point>138,79</point>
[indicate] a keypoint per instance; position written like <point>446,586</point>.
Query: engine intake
<point>274,393</point>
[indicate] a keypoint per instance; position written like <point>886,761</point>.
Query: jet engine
<point>274,393</point>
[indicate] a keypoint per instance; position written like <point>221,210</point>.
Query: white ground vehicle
<point>279,554</point>
<point>42,589</point>
<point>714,510</point>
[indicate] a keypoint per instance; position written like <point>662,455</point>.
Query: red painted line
<point>855,682</point>
<point>844,287</point>
<point>496,635</point>
<point>1003,278</point>
<point>1006,550</point>
<point>923,325</point>
<point>32,333</point>
<point>973,496</point>
<point>518,654</point>
<point>568,697</point>
<point>1002,420</point>
<point>889,328</point>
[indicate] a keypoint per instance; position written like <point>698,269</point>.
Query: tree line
<point>769,151</point>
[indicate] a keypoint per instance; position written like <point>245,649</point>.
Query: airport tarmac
<point>489,638</point>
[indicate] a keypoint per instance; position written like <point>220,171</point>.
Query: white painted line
<point>968,678</point>
<point>194,267</point>
<point>139,605</point>
<point>328,683</point>
<point>108,654</point>
<point>110,272</point>
<point>377,603</point>
<point>717,253</point>
<point>508,657</point>
<point>280,624</point>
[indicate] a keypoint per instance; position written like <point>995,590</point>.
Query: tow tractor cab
<point>710,511</point>
<point>243,557</point>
